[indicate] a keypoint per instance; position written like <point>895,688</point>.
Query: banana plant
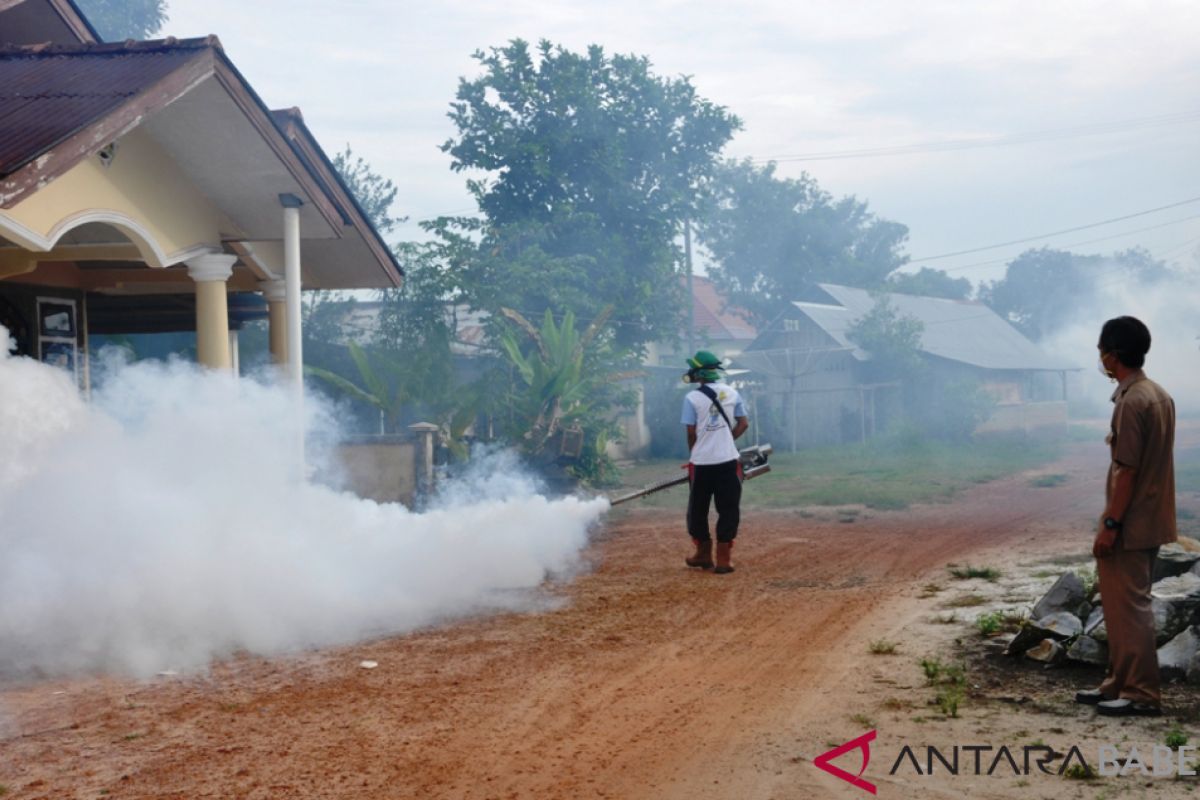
<point>383,384</point>
<point>557,390</point>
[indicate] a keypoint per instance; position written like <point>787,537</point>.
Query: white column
<point>291,269</point>
<point>210,272</point>
<point>235,353</point>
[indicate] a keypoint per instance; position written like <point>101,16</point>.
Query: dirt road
<point>642,680</point>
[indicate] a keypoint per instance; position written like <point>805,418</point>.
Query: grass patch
<point>3,790</point>
<point>882,647</point>
<point>863,720</point>
<point>945,619</point>
<point>882,474</point>
<point>989,624</point>
<point>967,601</point>
<point>896,704</point>
<point>1175,738</point>
<point>968,572</point>
<point>1078,772</point>
<point>1048,481</point>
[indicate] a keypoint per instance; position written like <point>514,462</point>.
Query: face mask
<point>1105,371</point>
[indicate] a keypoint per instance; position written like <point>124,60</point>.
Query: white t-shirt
<point>714,440</point>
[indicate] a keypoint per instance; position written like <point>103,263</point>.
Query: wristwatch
<point>1112,524</point>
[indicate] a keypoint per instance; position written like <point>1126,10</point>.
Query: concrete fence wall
<point>390,469</point>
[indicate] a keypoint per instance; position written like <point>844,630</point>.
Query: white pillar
<point>235,353</point>
<point>275,293</point>
<point>291,269</point>
<point>210,272</point>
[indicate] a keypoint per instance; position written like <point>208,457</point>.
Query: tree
<point>590,163</point>
<point>929,283</point>
<point>772,239</point>
<point>374,192</point>
<point>892,339</point>
<point>1041,286</point>
<point>116,20</point>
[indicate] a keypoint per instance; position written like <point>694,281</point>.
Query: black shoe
<point>1128,708</point>
<point>1090,697</point>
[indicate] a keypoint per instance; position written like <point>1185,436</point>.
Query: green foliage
<point>929,283</point>
<point>1176,738</point>
<point>1039,285</point>
<point>986,573</point>
<point>954,689</point>
<point>884,473</point>
<point>117,20</point>
<point>932,667</point>
<point>592,162</point>
<point>772,239</point>
<point>374,192</point>
<point>990,624</point>
<point>891,339</point>
<point>383,384</point>
<point>562,382</point>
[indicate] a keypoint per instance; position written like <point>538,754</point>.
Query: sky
<point>1073,112</point>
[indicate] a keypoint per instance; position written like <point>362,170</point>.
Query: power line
<point>1005,140</point>
<point>1057,233</point>
<point>995,261</point>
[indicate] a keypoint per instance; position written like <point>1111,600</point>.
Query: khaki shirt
<point>1143,439</point>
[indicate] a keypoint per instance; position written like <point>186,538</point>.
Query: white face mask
<point>1105,371</point>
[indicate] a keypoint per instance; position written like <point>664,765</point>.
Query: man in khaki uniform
<point>1139,517</point>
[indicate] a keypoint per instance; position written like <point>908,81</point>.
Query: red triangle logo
<point>862,743</point>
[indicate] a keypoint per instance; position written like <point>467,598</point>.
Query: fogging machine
<point>753,460</point>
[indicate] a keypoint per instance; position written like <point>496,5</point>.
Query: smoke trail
<point>1167,307</point>
<point>164,525</point>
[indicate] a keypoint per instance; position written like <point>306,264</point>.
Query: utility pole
<point>691,298</point>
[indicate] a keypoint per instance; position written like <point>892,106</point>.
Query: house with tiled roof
<point>146,187</point>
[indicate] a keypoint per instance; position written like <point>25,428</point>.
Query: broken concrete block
<point>1176,656</point>
<point>1087,650</point>
<point>1047,651</point>
<point>1174,560</point>
<point>1065,595</point>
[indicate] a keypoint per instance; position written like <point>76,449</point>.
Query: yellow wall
<point>143,185</point>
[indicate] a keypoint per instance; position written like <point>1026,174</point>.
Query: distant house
<point>812,381</point>
<point>716,326</point>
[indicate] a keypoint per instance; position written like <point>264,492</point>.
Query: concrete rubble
<point>1068,625</point>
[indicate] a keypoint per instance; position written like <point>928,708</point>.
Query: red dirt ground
<point>647,681</point>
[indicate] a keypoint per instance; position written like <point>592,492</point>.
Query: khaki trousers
<point>1125,580</point>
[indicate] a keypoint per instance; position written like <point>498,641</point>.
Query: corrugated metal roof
<point>958,330</point>
<point>47,94</point>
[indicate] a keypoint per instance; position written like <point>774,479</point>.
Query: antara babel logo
<point>1027,760</point>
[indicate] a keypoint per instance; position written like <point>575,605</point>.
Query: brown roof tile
<point>49,93</point>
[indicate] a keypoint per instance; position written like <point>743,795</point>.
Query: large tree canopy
<point>773,238</point>
<point>116,20</point>
<point>583,166</point>
<point>930,283</point>
<point>1040,286</point>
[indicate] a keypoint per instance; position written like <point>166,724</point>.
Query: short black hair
<point>1128,339</point>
